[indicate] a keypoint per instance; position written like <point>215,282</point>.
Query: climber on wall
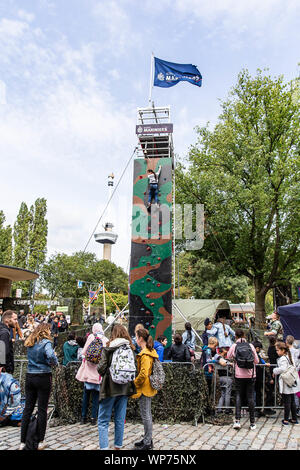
<point>153,186</point>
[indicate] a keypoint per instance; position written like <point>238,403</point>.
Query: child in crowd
<point>159,346</point>
<point>208,352</point>
<point>189,339</point>
<point>288,393</point>
<point>205,335</point>
<point>225,379</point>
<point>70,349</point>
<point>290,340</point>
<point>262,375</point>
<point>80,340</point>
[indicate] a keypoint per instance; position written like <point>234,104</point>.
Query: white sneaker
<point>22,445</point>
<point>237,425</point>
<point>252,427</point>
<point>42,445</point>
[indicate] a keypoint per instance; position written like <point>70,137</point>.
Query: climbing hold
<point>148,279</point>
<point>152,304</point>
<point>148,295</point>
<point>158,285</point>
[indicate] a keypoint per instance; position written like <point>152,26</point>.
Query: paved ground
<point>270,434</point>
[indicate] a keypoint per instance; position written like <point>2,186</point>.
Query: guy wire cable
<point>116,187</point>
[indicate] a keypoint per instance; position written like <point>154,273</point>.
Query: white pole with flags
<point>151,78</point>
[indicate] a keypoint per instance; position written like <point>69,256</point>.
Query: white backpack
<point>122,368</point>
<point>290,375</point>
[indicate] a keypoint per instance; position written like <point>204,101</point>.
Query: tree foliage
<point>5,241</point>
<point>246,172</point>
<point>21,237</point>
<point>61,272</point>
<point>207,280</point>
<point>38,231</point>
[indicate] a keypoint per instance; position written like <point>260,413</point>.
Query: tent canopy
<point>196,310</point>
<point>290,320</point>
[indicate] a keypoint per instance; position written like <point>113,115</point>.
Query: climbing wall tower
<point>151,246</point>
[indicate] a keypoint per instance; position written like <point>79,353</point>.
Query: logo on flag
<point>167,74</point>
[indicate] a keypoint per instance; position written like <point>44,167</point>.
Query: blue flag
<point>167,74</point>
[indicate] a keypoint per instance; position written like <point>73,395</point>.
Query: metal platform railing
<point>155,133</point>
<point>263,405</point>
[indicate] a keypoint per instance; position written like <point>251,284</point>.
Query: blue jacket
<point>160,350</point>
<point>41,357</point>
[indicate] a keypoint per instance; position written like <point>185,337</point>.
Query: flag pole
<point>151,79</point>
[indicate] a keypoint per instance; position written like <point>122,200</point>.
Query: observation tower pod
<point>151,242</point>
<point>108,237</point>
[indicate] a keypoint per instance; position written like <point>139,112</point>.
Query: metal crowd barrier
<point>216,368</point>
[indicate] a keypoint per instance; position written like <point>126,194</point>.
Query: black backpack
<point>244,356</point>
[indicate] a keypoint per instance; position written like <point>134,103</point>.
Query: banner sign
<point>144,129</point>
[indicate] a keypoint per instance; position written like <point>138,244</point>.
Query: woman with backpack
<point>41,357</point>
<point>287,389</point>
<point>145,392</point>
<point>222,331</point>
<point>117,368</point>
<point>89,374</point>
<point>245,358</point>
<point>189,339</point>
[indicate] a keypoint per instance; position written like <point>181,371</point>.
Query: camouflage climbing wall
<point>151,251</point>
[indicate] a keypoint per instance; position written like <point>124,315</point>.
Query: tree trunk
<point>260,296</point>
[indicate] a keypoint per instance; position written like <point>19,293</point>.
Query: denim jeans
<point>226,385</point>
<point>86,400</point>
<point>145,410</point>
<point>245,387</point>
<point>119,405</point>
<point>153,193</point>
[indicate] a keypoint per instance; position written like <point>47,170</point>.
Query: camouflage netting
<point>184,397</point>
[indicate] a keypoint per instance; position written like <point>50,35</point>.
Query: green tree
<point>5,241</point>
<point>21,237</point>
<point>204,279</point>
<point>246,172</point>
<point>61,272</point>
<point>38,231</point>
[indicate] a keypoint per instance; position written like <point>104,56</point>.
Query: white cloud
<point>24,15</point>
<point>121,33</point>
<point>61,139</point>
<point>12,28</point>
<point>2,93</point>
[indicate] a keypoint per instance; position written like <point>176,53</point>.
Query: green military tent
<point>196,310</point>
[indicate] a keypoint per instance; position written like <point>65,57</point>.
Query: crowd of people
<point>116,368</point>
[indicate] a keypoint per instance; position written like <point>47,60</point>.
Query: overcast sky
<point>73,72</point>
